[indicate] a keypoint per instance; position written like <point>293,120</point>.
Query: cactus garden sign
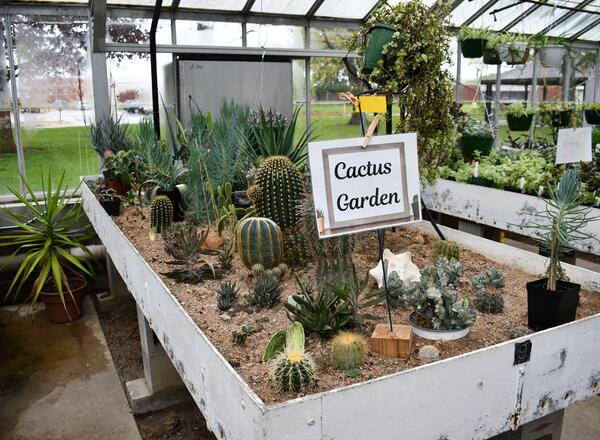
<point>361,189</point>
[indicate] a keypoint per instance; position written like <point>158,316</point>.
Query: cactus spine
<point>294,369</point>
<point>348,350</point>
<point>259,241</point>
<point>161,213</point>
<point>445,248</point>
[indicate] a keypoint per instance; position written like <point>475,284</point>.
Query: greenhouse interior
<point>262,219</point>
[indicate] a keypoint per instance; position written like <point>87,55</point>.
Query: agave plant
<point>44,236</point>
<point>109,134</point>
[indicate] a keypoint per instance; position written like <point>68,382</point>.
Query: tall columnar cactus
<point>259,241</point>
<point>161,213</point>
<point>348,350</point>
<point>445,248</point>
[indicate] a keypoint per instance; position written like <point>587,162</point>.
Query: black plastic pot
<point>112,206</point>
<point>469,144</point>
<point>490,56</point>
<point>175,196</point>
<point>592,117</point>
<point>472,47</point>
<point>519,123</point>
<point>481,181</point>
<point>549,308</point>
<point>561,119</point>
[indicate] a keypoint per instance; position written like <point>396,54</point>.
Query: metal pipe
<point>458,69</point>
<point>153,67</point>
<point>597,77</point>
<point>497,105</point>
<point>534,80</point>
<point>15,103</point>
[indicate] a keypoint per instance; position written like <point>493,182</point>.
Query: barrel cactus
<point>161,213</point>
<point>348,350</point>
<point>259,241</point>
<point>294,369</point>
<point>445,248</point>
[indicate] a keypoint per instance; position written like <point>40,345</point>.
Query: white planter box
<point>501,209</point>
<point>475,395</point>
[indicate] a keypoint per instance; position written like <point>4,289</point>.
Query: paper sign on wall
<point>358,189</point>
<point>574,145</point>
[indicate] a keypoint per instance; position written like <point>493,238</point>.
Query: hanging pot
<point>592,117</point>
<point>552,56</point>
<point>490,56</point>
<point>513,53</point>
<point>378,36</point>
<point>549,308</point>
<point>562,118</point>
<point>472,47</point>
<point>112,206</point>
<point>469,144</point>
<point>436,334</point>
<point>72,310</point>
<point>519,123</point>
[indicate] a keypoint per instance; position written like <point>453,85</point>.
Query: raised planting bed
<point>475,391</point>
<point>505,210</point>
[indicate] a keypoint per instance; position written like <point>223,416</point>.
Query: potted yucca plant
<point>472,41</point>
<point>553,301</point>
<point>519,117</point>
<point>44,238</point>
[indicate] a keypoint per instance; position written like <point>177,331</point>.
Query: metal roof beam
<point>44,9</point>
<point>521,17</point>
<point>564,17</point>
<point>479,13</point>
<point>314,8</point>
<point>175,5</point>
<point>248,7</point>
<point>585,30</point>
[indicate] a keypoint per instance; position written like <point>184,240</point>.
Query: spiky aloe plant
<point>228,292</point>
<point>294,368</point>
<point>562,223</point>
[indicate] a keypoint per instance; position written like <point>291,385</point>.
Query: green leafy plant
<point>44,237</point>
<point>592,106</point>
<point>228,292</point>
<point>519,111</point>
<point>562,223</point>
<point>476,128</point>
<point>487,288</point>
<point>294,369</point>
<point>109,135</point>
<point>228,216</point>
<point>469,33</point>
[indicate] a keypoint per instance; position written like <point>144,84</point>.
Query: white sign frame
<point>574,145</point>
<point>403,179</point>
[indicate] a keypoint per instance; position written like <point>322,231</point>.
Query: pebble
<point>225,317</point>
<point>429,353</point>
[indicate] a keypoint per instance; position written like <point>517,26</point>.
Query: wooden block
<point>397,344</point>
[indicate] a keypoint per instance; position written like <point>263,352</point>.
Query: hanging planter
<point>491,56</point>
<point>472,47</point>
<point>513,53</point>
<point>519,123</point>
<point>378,36</point>
<point>552,56</point>
<point>592,117</point>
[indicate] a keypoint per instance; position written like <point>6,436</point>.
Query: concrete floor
<point>582,420</point>
<point>59,381</point>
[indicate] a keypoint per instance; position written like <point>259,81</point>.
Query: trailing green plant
<point>267,291</point>
<point>348,350</point>
<point>469,33</point>
<point>271,134</point>
<point>446,248</point>
<point>239,337</point>
<point>487,289</point>
<point>562,223</point>
<point>109,135</point>
<point>476,128</point>
<point>161,213</point>
<point>493,40</point>
<point>416,77</point>
<point>435,297</point>
<point>259,241</point>
<point>43,237</point>
<point>294,369</point>
<point>595,107</point>
<point>519,111</point>
<point>228,292</point>
<point>322,312</point>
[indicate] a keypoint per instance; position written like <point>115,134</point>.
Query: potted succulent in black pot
<point>519,117</point>
<point>476,136</point>
<point>45,237</point>
<point>490,51</point>
<point>553,301</point>
<point>472,41</point>
<point>108,198</point>
<point>167,176</point>
<point>592,113</point>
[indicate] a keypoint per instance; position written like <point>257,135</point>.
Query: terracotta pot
<point>213,241</point>
<point>118,186</point>
<point>72,310</point>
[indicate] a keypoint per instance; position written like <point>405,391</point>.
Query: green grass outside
<point>67,149</point>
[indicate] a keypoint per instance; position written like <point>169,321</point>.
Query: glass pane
<point>55,96</point>
<point>465,10</point>
<point>136,31</point>
<point>208,33</point>
<point>267,35</point>
<point>572,25</point>
<point>539,19</point>
<point>592,34</point>
<point>138,2</point>
<point>295,7</point>
<point>346,9</point>
<point>223,5</point>
<point>330,38</point>
<point>499,20</point>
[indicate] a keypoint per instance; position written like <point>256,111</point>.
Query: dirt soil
<point>200,303</point>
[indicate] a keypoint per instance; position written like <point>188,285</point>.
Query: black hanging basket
<point>549,308</point>
<point>472,47</point>
<point>491,56</point>
<point>592,117</point>
<point>519,123</point>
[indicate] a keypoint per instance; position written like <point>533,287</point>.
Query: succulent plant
<point>283,268</point>
<point>228,292</point>
<point>266,291</point>
<point>445,248</point>
<point>161,213</point>
<point>487,290</point>
<point>259,241</point>
<point>348,350</point>
<point>257,270</point>
<point>239,337</point>
<point>294,368</point>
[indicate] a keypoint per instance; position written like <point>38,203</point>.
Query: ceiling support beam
<point>585,30</point>
<point>564,17</point>
<point>479,13</point>
<point>521,17</point>
<point>314,8</point>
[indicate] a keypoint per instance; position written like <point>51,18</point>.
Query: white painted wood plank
<point>501,209</point>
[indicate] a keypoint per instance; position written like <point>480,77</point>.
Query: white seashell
<point>401,264</point>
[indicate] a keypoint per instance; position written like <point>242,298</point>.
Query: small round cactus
<point>258,270</point>
<point>276,271</point>
<point>348,350</point>
<point>294,371</point>
<point>283,268</point>
<point>445,248</point>
<point>161,213</point>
